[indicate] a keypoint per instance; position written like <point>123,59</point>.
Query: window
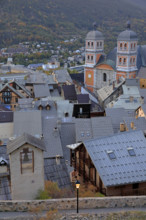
<point>131,151</point>
<point>91,57</point>
<point>125,46</point>
<point>133,60</point>
<point>92,44</point>
<point>81,110</point>
<point>121,46</point>
<point>131,46</point>
<point>66,114</point>
<point>130,60</point>
<point>97,44</point>
<point>111,155</point>
<point>135,186</point>
<point>89,75</point>
<point>27,160</point>
<point>88,57</point>
<point>124,61</point>
<point>16,99</point>
<point>82,134</point>
<point>88,44</point>
<point>104,77</point>
<point>120,60</point>
<point>100,44</point>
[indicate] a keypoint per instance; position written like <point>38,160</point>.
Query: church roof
<point>127,35</point>
<point>94,35</point>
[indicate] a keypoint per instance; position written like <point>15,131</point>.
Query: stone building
<point>26,166</point>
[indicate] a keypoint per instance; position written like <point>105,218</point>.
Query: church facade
<point>102,71</point>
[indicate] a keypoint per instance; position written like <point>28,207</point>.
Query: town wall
<point>84,203</point>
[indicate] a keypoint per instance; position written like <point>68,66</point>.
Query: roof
<point>51,137</point>
<point>28,121</point>
<point>116,115</point>
<point>142,73</point>
<point>63,107</point>
<point>124,169</point>
<point>25,103</point>
<point>127,35</point>
<point>41,90</point>
<point>12,89</point>
<point>94,35</point>
<point>108,62</point>
<point>21,140</point>
<point>22,87</point>
<point>144,108</point>
<point>89,128</point>
<point>62,76</point>
<point>143,93</point>
<point>57,173</point>
<point>69,92</point>
<point>5,192</point>
<point>139,123</point>
<point>83,98</point>
<point>6,116</point>
<point>132,82</point>
<point>143,54</point>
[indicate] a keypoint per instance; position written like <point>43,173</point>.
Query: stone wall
<point>84,203</point>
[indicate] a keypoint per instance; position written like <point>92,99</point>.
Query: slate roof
<point>116,115</point>
<point>5,193</point>
<point>28,121</point>
<point>62,76</point>
<point>144,108</point>
<point>57,173</point>
<point>41,90</point>
<point>21,140</point>
<point>143,93</point>
<point>108,62</point>
<point>83,98</point>
<point>143,54</point>
<point>22,87</point>
<point>139,123</point>
<point>6,116</point>
<point>142,73</point>
<point>77,77</point>
<point>124,169</point>
<point>127,35</point>
<point>69,92</point>
<point>51,137</point>
<point>89,128</point>
<point>25,103</point>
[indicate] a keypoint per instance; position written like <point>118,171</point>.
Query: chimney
<point>58,159</point>
<point>122,127</point>
<point>132,125</point>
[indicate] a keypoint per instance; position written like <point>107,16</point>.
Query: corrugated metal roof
<point>125,169</point>
<point>25,138</point>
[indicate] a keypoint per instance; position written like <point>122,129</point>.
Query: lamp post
<point>77,187</point>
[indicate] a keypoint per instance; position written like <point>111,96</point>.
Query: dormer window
<point>131,151</point>
<point>27,160</point>
<point>111,155</point>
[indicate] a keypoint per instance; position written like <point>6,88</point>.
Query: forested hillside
<point>51,20</point>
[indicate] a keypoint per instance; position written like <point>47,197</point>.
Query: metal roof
<point>41,90</point>
<point>125,169</point>
<point>21,140</point>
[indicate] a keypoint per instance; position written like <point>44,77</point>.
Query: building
<point>114,164</point>
<point>124,61</point>
<point>26,166</point>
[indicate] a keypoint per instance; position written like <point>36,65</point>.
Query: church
<point>124,61</point>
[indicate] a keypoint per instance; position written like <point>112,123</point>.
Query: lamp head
<point>77,184</point>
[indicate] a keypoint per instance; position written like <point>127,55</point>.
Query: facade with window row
<point>101,71</point>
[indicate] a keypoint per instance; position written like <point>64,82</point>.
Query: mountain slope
<point>57,20</point>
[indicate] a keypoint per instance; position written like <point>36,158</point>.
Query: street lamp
<point>77,187</point>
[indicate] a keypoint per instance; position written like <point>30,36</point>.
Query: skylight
<point>111,155</point>
<point>131,152</point>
